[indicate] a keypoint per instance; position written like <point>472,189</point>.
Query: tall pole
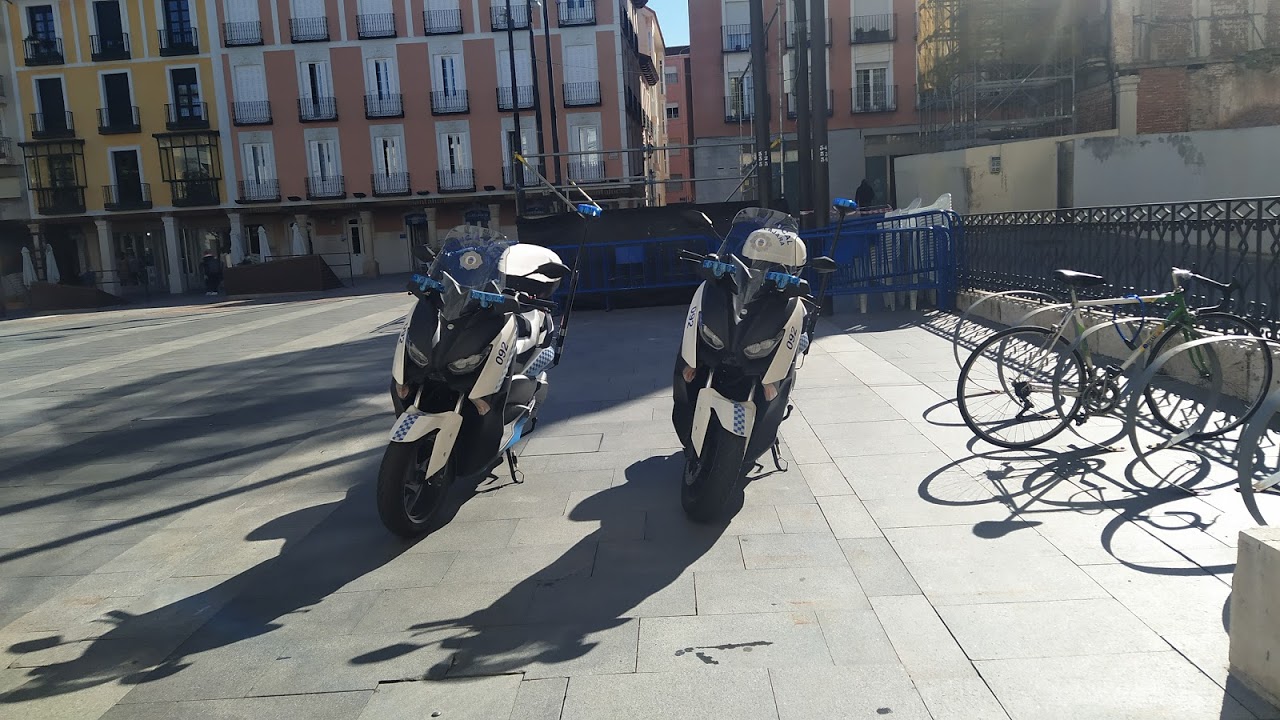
<point>537,99</point>
<point>551,91</point>
<point>515,97</point>
<point>818,81</point>
<point>760,111</point>
<point>804,133</point>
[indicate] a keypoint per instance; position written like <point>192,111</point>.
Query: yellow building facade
<point>120,137</point>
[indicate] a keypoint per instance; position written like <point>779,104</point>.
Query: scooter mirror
<point>698,218</point>
<point>823,265</point>
<point>423,253</point>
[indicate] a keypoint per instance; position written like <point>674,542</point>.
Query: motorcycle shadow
<point>570,607</point>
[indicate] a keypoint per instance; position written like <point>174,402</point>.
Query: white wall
<point>1204,165</point>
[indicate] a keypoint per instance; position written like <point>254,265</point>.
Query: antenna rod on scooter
<point>844,206</point>
<point>584,211</point>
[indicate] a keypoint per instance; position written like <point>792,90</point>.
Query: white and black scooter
<point>748,324</point>
<point>469,373</point>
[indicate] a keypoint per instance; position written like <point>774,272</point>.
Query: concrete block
<point>1255,632</point>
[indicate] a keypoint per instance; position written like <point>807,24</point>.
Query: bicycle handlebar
<point>1180,275</point>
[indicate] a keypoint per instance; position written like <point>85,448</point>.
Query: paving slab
<point>461,699</point>
<point>776,590</point>
<point>1001,631</point>
<point>1146,685</point>
<point>727,694</point>
<point>797,550</point>
<point>879,569</point>
<point>540,699</point>
<point>731,641</point>
<point>846,692</point>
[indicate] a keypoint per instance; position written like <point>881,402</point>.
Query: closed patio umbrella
<point>237,245</point>
<point>299,243</point>
<point>29,277</point>
<point>264,246</point>
<point>51,266</point>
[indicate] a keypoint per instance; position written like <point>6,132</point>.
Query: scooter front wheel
<point>710,479</point>
<point>408,500</point>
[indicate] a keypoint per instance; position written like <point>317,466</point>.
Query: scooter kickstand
<point>778,462</point>
<point>517,477</point>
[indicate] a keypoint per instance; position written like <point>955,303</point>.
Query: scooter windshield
<point>469,256</point>
<point>755,278</point>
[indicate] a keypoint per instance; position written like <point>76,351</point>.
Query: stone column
<point>1127,105</point>
<point>495,217</point>
<point>110,280</point>
<point>433,231</point>
<point>237,238</point>
<point>176,278</point>
<point>369,257</point>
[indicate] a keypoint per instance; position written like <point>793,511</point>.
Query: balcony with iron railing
<point>390,184</point>
<point>118,120</point>
<point>326,187</point>
<point>586,169</point>
<point>738,108</point>
<point>136,196</point>
<point>449,103</point>
<point>43,51</point>
<point>577,12</point>
<point>791,104</point>
<point>317,109</point>
<point>524,94</point>
<point>865,29</point>
<point>875,100</point>
<point>498,15</point>
<point>109,47</point>
<point>195,192</point>
<point>239,34</point>
<point>309,29</point>
<point>251,112</point>
<point>526,176</point>
<point>582,94</point>
<point>59,200</point>
<point>370,26</point>
<point>442,22</point>
<point>389,105</point>
<point>791,33</point>
<point>736,38</point>
<point>456,180</point>
<point>256,191</point>
<point>186,116</point>
<point>6,149</point>
<point>179,41</point>
<point>49,126</point>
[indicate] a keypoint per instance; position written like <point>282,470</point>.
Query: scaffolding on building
<point>995,70</point>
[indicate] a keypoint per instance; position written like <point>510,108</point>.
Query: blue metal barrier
<point>876,255</point>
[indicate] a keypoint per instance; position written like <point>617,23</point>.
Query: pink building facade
<point>870,72</point>
<point>369,125</point>
<point>679,116</point>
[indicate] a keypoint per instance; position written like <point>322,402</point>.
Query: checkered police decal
<point>739,419</point>
<point>402,430</point>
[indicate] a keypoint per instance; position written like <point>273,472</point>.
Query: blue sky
<point>673,15</point>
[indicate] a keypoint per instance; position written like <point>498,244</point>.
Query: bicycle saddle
<point>1078,279</point>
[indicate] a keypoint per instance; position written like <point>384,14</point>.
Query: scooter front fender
<point>738,418</point>
<point>414,425</point>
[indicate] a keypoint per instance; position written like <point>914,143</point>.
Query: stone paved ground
<point>187,530</point>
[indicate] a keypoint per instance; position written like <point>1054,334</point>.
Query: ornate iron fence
<point>1134,247</point>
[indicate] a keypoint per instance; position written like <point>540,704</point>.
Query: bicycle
<point>1043,382</point>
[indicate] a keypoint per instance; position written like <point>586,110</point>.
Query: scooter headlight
<point>467,364</point>
<point>417,355</point>
<point>755,351</point>
<point>711,338</point>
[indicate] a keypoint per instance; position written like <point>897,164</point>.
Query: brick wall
<point>1163,100</point>
<point>1093,109</point>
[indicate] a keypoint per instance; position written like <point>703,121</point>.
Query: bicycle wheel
<point>1007,392</point>
<point>1178,394</point>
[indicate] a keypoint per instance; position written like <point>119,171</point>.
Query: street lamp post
<point>518,143</point>
<point>533,72</point>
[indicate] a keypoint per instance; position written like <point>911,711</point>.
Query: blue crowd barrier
<point>876,255</point>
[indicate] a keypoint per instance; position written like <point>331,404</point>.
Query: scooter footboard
<point>414,425</point>
<point>737,417</point>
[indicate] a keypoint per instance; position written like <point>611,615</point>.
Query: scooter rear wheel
<point>407,500</point>
<point>709,480</point>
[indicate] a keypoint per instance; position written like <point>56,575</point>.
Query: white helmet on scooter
<point>774,245</point>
